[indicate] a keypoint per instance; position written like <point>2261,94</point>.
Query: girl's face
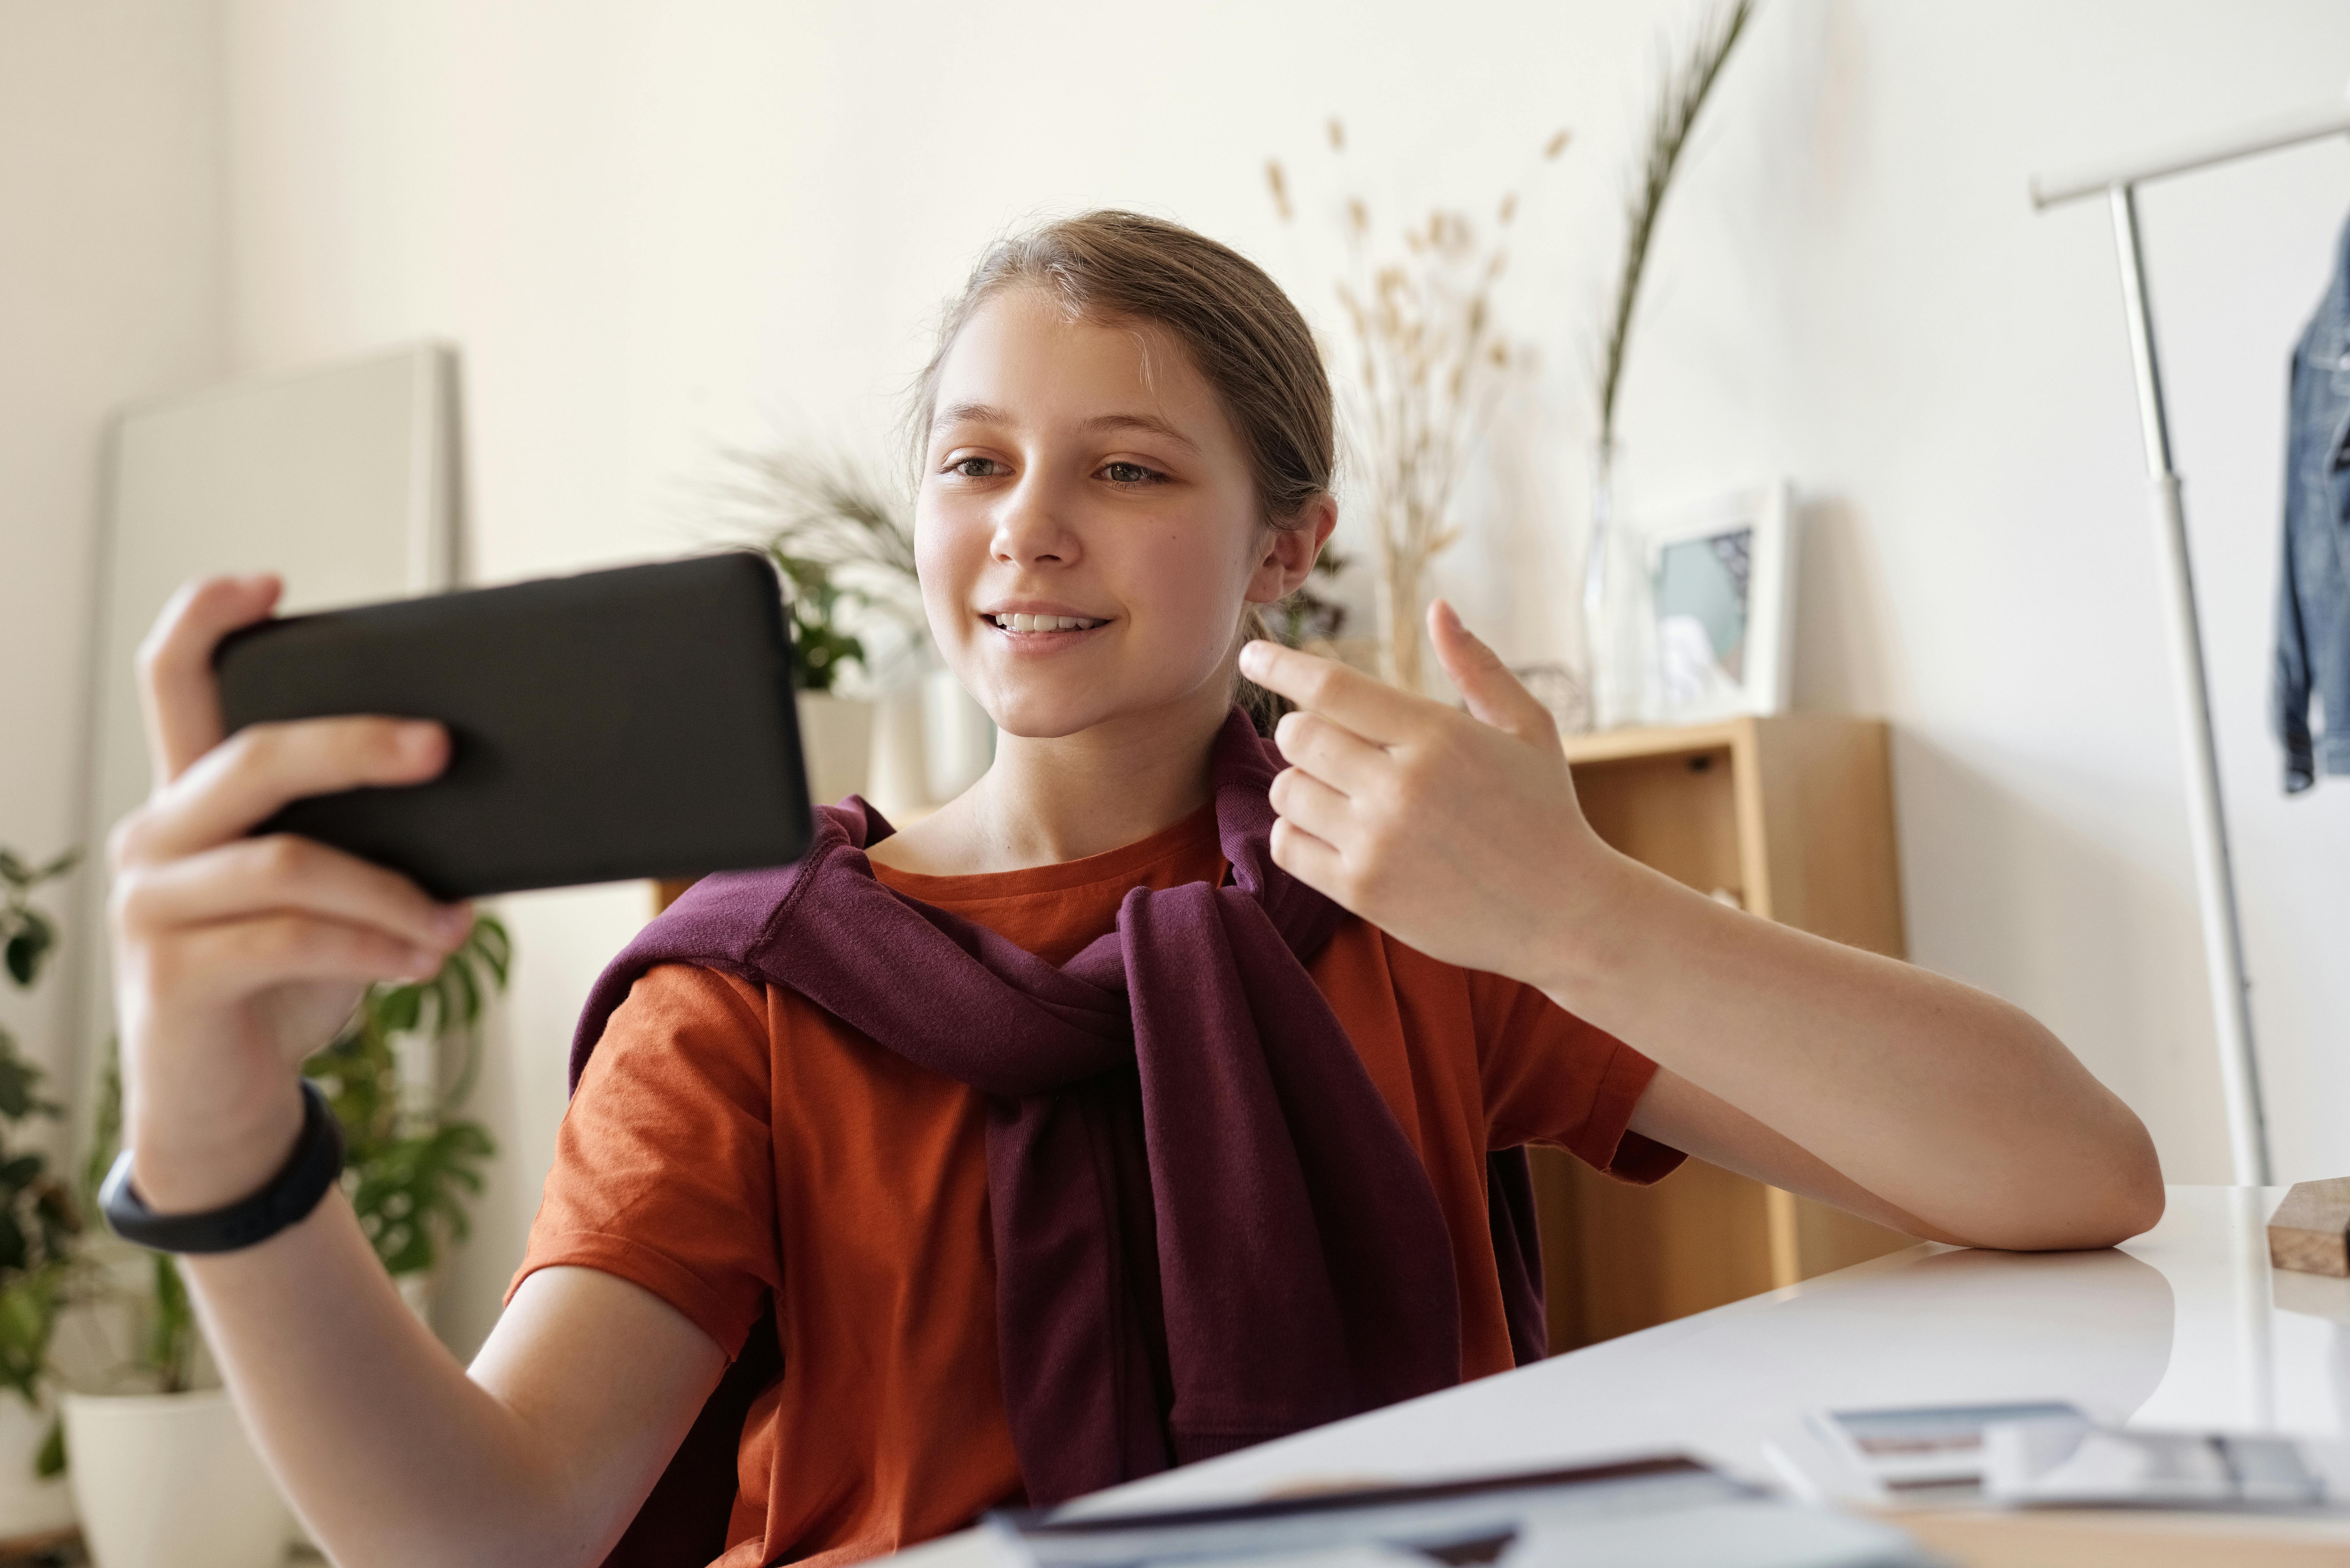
<point>1088,530</point>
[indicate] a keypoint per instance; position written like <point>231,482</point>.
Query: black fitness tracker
<point>285,1199</point>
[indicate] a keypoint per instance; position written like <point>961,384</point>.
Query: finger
<point>1311,860</point>
<point>247,777</point>
<point>176,689</point>
<point>1372,709</point>
<point>285,873</point>
<point>234,958</point>
<point>1300,797</point>
<point>1484,682</point>
<point>1330,752</point>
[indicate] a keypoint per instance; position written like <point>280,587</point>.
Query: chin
<point>1048,711</point>
<point>1038,716</point>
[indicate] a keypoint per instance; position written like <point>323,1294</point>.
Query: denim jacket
<point>2312,653</point>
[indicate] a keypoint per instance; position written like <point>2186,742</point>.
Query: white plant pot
<point>28,1505</point>
<point>899,782</point>
<point>170,1480</point>
<point>836,736</point>
<point>959,736</point>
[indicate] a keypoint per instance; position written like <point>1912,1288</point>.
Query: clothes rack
<point>2223,937</point>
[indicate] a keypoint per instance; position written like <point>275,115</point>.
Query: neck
<point>1045,800</point>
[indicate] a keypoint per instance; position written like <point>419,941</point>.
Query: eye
<point>973,468</point>
<point>1124,472</point>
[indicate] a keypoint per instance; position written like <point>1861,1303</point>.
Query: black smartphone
<point>613,725</point>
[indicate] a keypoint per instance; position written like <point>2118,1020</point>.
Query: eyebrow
<point>988,413</point>
<point>974,413</point>
<point>1149,423</point>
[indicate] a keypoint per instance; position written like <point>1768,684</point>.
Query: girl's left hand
<point>1457,832</point>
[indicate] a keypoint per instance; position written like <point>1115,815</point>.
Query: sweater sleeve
<point>664,1166</point>
<point>1551,1078</point>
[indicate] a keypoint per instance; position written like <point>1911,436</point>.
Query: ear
<point>1290,552</point>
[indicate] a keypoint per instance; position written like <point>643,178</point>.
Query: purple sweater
<point>1209,1228</point>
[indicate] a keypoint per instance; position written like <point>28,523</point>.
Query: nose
<point>1029,527</point>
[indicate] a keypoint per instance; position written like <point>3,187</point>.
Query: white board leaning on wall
<point>342,478</point>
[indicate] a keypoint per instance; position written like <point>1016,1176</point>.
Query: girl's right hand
<point>236,956</point>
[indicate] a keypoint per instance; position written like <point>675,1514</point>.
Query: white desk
<point>2185,1326</point>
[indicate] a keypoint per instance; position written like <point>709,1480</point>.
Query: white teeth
<point>1044,623</point>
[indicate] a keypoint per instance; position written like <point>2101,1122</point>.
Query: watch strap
<point>285,1199</point>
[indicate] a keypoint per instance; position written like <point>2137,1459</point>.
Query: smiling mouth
<point>1048,623</point>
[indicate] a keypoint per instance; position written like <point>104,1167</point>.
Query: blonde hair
<point>1242,331</point>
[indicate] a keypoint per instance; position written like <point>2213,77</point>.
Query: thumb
<point>1492,694</point>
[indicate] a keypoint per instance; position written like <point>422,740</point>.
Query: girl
<point>1099,1121</point>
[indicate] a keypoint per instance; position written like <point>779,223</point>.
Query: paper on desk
<point>1909,1454</point>
<point>1665,1512</point>
<point>2050,1462</point>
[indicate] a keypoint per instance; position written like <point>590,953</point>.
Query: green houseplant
<point>41,1269</point>
<point>409,1159</point>
<point>163,1473</point>
<point>39,1219</point>
<point>841,537</point>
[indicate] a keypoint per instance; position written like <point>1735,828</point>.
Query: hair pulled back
<point>1242,331</point>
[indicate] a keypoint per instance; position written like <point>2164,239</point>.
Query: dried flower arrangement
<point>1427,363</point>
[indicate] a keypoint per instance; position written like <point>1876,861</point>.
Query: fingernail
<point>454,920</point>
<point>420,741</point>
<point>1254,655</point>
<point>423,963</point>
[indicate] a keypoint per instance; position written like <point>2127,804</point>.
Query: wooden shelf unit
<point>1791,817</point>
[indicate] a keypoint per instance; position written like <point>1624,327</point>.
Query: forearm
<point>239,954</point>
<point>1945,1102</point>
<point>390,1452</point>
<point>1460,833</point>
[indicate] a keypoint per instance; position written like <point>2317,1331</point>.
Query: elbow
<point>2132,1207</point>
<point>2139,1198</point>
<point>2117,1193</point>
<point>2129,1201</point>
<point>2099,1154</point>
<point>2095,1187</point>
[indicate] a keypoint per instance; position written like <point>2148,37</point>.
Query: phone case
<point>615,725</point>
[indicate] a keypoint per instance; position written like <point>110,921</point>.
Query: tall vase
<point>1617,637</point>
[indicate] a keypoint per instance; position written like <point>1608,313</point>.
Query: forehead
<point>1025,356</point>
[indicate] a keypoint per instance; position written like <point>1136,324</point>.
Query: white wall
<point>658,229</point>
<point>110,289</point>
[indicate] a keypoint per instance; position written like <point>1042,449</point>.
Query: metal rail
<point>2223,944</point>
<point>2263,136</point>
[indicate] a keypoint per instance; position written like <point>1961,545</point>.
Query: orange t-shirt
<point>729,1140</point>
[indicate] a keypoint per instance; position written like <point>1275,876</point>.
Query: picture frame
<point>1721,577</point>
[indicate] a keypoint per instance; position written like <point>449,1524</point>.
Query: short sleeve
<point>664,1166</point>
<point>1551,1078</point>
